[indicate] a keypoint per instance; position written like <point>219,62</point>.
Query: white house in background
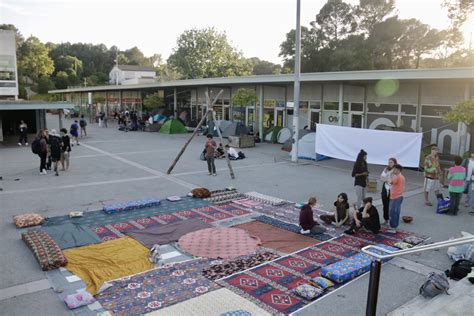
<point>131,74</point>
<point>8,69</point>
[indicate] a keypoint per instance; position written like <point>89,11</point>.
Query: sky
<point>254,27</point>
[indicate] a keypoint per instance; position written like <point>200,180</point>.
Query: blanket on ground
<point>96,264</point>
<point>277,238</point>
<point>166,234</point>
<point>71,235</point>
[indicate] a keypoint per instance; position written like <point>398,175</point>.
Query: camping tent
<point>288,143</point>
<point>228,129</point>
<point>158,118</point>
<point>173,126</point>
<point>272,134</point>
<point>306,146</point>
<point>283,135</point>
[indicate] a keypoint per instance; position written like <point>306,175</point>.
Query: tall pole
<point>296,93</point>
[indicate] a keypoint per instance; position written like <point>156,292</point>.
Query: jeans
<point>454,199</point>
<point>385,202</point>
<point>318,229</point>
<point>42,161</point>
<point>360,193</point>
<point>210,165</point>
<point>394,210</point>
<point>469,193</point>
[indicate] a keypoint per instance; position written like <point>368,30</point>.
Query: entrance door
<point>279,117</point>
<point>313,119</point>
<point>356,120</point>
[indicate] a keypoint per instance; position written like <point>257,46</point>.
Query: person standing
<point>55,149</point>
<point>456,176</point>
<point>386,174</point>
<point>307,223</point>
<point>397,182</point>
<point>83,124</point>
<point>40,147</point>
<point>360,173</point>
<point>65,149</point>
<point>469,166</point>
<point>74,131</point>
<point>49,162</point>
<point>432,172</point>
<point>23,128</point>
<point>210,148</point>
<point>366,217</point>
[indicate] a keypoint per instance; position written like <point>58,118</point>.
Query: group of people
<point>213,151</point>
<point>52,148</point>
<point>365,214</point>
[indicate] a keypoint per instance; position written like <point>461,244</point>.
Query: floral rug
<point>157,289</point>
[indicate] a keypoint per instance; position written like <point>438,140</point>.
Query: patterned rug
<point>225,268</point>
<point>99,218</point>
<point>219,242</point>
<point>290,227</point>
<point>157,289</point>
<point>214,303</point>
<point>207,214</point>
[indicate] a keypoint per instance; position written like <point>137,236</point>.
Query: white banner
<point>346,142</point>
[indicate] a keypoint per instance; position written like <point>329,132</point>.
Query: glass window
<point>315,105</point>
<point>304,106</point>
<point>382,108</point>
<point>434,110</point>
<point>7,61</point>
<point>7,75</point>
<point>409,109</point>
<point>331,106</point>
<point>269,103</point>
<point>359,107</point>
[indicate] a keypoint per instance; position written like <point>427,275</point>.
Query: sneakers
<point>304,232</point>
<point>56,174</point>
<point>391,231</point>
<point>385,223</point>
<point>43,172</point>
<point>215,174</point>
<point>19,144</point>
<point>209,174</point>
<point>26,144</point>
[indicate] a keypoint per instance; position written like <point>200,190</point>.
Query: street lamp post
<point>296,89</point>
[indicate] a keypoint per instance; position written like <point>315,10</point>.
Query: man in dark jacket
<point>55,143</point>
<point>307,222</point>
<point>366,217</point>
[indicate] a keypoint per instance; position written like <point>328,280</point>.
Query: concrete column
<point>418,108</point>
<point>60,116</point>
<point>341,103</point>
<point>364,108</point>
<point>175,103</point>
<point>260,113</point>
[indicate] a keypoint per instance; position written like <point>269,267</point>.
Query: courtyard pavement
<point>112,166</point>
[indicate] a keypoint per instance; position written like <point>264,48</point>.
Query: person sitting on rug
<point>341,212</point>
<point>307,223</point>
<point>366,217</point>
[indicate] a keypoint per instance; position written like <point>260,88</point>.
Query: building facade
<point>8,68</point>
<point>411,100</point>
<point>131,74</point>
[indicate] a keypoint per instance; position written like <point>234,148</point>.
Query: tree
<point>61,80</point>
<point>206,53</point>
<point>262,67</point>
<point>335,20</point>
<point>33,59</point>
<point>242,98</point>
<point>136,57</point>
<point>153,101</point>
<point>69,64</point>
<point>463,112</point>
<point>459,11</point>
<point>371,12</point>
<point>167,73</point>
<point>45,84</point>
<point>310,47</point>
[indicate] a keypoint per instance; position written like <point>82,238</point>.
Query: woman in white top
<point>386,174</point>
<point>469,180</point>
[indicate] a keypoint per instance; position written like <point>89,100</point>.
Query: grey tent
<point>288,144</point>
<point>229,130</point>
<point>241,130</point>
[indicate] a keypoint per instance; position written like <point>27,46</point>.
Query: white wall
<point>8,48</point>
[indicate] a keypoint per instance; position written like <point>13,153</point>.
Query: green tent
<point>173,126</point>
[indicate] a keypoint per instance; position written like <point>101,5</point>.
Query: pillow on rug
<point>173,198</point>
<point>27,220</point>
<point>321,282</point>
<point>201,193</point>
<point>45,249</point>
<point>414,240</point>
<point>403,245</point>
<point>79,299</point>
<point>307,291</point>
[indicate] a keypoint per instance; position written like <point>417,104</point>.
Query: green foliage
<point>461,112</point>
<point>335,21</point>
<point>153,101</point>
<point>263,67</point>
<point>459,11</point>
<point>206,53</point>
<point>242,98</point>
<point>98,99</point>
<point>61,80</point>
<point>33,59</point>
<point>69,64</point>
<point>45,84</point>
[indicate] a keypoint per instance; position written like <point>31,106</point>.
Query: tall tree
<point>335,20</point>
<point>136,57</point>
<point>69,64</point>
<point>33,59</point>
<point>371,12</point>
<point>262,67</point>
<point>459,10</point>
<point>207,53</point>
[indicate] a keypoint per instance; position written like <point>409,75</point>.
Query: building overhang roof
<point>341,76</point>
<point>26,105</point>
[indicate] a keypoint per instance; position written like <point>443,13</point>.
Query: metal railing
<point>376,266</point>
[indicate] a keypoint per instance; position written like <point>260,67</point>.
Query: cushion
<point>403,245</point>
<point>27,220</point>
<point>307,291</point>
<point>414,240</point>
<point>239,312</point>
<point>173,198</point>
<point>45,250</point>
<point>321,282</point>
<point>201,193</point>
<point>79,299</point>
<point>350,268</point>
<point>130,205</point>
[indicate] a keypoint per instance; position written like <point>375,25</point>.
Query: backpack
<point>437,283</point>
<point>83,123</point>
<point>460,269</point>
<point>55,145</point>
<point>36,146</point>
